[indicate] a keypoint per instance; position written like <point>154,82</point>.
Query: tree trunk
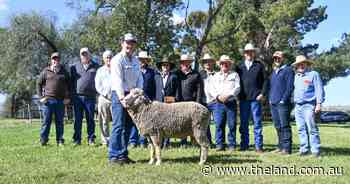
<point>13,106</point>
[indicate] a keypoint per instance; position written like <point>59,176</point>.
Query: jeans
<point>120,133</point>
<point>307,128</point>
<point>225,113</point>
<point>84,104</point>
<point>254,107</point>
<point>280,117</point>
<point>56,107</point>
<point>134,135</point>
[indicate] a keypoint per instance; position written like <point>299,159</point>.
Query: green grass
<point>23,160</point>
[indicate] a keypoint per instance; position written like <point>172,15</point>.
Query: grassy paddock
<point>23,160</point>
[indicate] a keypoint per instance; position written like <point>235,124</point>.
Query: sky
<point>328,33</point>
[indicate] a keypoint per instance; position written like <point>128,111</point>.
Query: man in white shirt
<point>126,75</point>
<point>103,87</point>
<point>224,87</point>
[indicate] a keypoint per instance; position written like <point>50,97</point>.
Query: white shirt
<point>165,79</point>
<point>126,74</point>
<point>224,84</point>
<point>248,64</point>
<point>103,81</point>
<point>207,82</point>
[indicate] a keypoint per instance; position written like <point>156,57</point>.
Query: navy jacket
<point>149,83</point>
<point>83,81</point>
<point>170,87</point>
<point>281,85</point>
<point>253,81</point>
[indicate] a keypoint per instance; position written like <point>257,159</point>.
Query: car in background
<point>334,116</point>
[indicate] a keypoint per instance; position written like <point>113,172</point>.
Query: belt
<point>303,103</point>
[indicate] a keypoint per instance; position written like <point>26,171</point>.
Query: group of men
<point>219,91</point>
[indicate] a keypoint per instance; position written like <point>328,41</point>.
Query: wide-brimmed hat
<point>129,37</point>
<point>278,54</point>
<point>84,49</point>
<point>107,53</point>
<point>302,59</point>
<point>170,60</point>
<point>55,54</point>
<point>249,47</point>
<point>186,57</point>
<point>207,57</point>
<point>225,58</point>
<point>144,55</point>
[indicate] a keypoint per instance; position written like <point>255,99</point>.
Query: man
<point>253,90</point>
<point>166,85</point>
<point>225,87</point>
<point>308,97</point>
<point>52,88</point>
<point>281,89</point>
<point>207,75</point>
<point>126,75</point>
<point>103,87</point>
<point>191,84</point>
<point>149,88</point>
<point>84,96</point>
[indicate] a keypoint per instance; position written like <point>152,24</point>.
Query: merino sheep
<point>156,120</point>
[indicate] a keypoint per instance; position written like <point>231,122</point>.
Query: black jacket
<point>149,84</point>
<point>52,84</point>
<point>170,87</point>
<point>253,81</point>
<point>83,81</point>
<point>191,87</point>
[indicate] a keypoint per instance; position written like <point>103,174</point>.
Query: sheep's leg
<point>152,153</point>
<point>202,139</point>
<point>156,143</point>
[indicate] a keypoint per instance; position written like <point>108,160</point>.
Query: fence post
<point>29,114</point>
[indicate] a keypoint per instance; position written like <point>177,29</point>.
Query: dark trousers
<point>52,107</point>
<point>280,117</point>
<point>84,104</point>
<point>120,133</point>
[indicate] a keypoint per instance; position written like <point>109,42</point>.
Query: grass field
<point>23,160</point>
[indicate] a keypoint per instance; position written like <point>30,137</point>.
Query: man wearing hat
<point>254,84</point>
<point>126,75</point>
<point>149,88</point>
<point>84,95</point>
<point>225,87</point>
<point>308,97</point>
<point>53,87</point>
<point>103,87</point>
<point>166,85</point>
<point>207,75</point>
<point>191,84</point>
<point>281,89</point>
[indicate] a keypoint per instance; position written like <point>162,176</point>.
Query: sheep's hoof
<point>158,162</point>
<point>151,162</point>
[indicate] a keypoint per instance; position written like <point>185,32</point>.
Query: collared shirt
<point>165,78</point>
<point>103,81</point>
<point>224,84</point>
<point>248,64</point>
<point>126,74</point>
<point>207,80</point>
<point>308,88</point>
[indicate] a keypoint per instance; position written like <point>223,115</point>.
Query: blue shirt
<point>281,85</point>
<point>308,88</point>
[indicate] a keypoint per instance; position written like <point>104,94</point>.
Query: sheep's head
<point>135,98</point>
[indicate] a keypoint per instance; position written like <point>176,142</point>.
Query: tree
<point>25,49</point>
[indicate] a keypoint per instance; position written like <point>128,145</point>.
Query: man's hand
<point>260,97</point>
<point>122,101</point>
<point>66,101</point>
<point>43,100</point>
<point>318,108</point>
<point>223,98</point>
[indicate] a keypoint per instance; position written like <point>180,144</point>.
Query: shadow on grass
<point>212,159</point>
<point>335,125</point>
<point>336,151</point>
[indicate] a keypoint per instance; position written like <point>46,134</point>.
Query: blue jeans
<point>254,107</point>
<point>56,107</point>
<point>225,113</point>
<point>134,135</point>
<point>84,104</point>
<point>121,127</point>
<point>280,117</point>
<point>308,130</point>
